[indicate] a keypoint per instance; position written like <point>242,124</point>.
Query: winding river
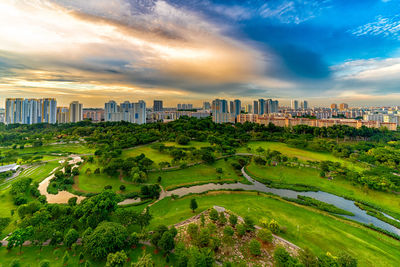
<point>340,202</point>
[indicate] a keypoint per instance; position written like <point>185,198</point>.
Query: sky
<point>188,51</point>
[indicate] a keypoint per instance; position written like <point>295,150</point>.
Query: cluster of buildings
<point>223,113</point>
<point>126,111</point>
<point>33,110</point>
<point>263,111</point>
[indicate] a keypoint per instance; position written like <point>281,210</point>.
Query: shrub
<point>214,215</point>
<point>134,239</point>
<point>249,223</point>
<point>241,229</point>
<point>222,219</point>
<point>255,247</point>
<point>193,230</point>
<point>15,263</point>
<point>233,220</point>
<point>228,231</point>
<point>44,263</point>
<point>274,226</point>
<point>265,235</point>
<point>122,187</point>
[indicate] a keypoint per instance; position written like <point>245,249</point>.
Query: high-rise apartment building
<point>333,106</point>
<point>237,104</point>
<point>62,115</point>
<point>255,107</point>
<point>261,106</point>
<point>248,108</point>
<point>157,105</point>
<point>220,112</point>
<point>294,104</point>
<point>305,104</point>
<point>93,114</point>
<point>75,111</point>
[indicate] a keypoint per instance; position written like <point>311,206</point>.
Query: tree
<point>96,209</point>
<point>19,236</point>
<point>134,239</point>
<point>72,201</point>
<point>144,218</point>
<point>144,261</point>
<point>193,204</point>
<point>182,140</point>
<point>71,237</point>
<point>265,235</point>
<point>233,219</point>
<point>255,247</point>
<point>108,237</point>
<point>167,242</point>
<point>116,259</point>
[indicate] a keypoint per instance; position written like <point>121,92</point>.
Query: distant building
<point>2,115</point>
<point>158,105</point>
<point>304,104</point>
<point>75,112</point>
<point>343,106</point>
<point>333,106</point>
<point>255,107</point>
<point>237,104</point>
<point>220,112</point>
<point>93,114</point>
<point>294,104</point>
<point>206,105</point>
<point>126,111</point>
<point>248,108</point>
<point>184,106</point>
<point>62,115</point>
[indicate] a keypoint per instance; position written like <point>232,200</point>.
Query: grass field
<point>341,187</point>
<point>32,256</point>
<point>197,174</point>
<point>50,149</point>
<point>150,152</point>
<point>94,183</point>
<point>195,144</point>
<point>301,154</point>
<point>305,227</point>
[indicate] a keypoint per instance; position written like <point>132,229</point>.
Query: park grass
<point>53,149</point>
<point>32,256</point>
<point>149,152</point>
<point>95,183</point>
<point>198,174</point>
<point>306,227</point>
<point>338,186</point>
<point>301,154</point>
<point>195,144</point>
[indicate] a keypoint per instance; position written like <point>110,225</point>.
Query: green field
<point>150,152</point>
<point>305,227</point>
<point>340,187</point>
<point>195,144</point>
<point>201,173</point>
<point>94,183</point>
<point>32,256</point>
<point>301,154</point>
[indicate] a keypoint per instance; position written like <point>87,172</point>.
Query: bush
<point>182,140</point>
<point>108,187</point>
<point>193,230</point>
<point>274,226</point>
<point>233,219</point>
<point>228,231</point>
<point>134,239</point>
<point>116,259</point>
<point>249,223</point>
<point>265,235</point>
<point>122,187</point>
<point>255,247</point>
<point>44,263</point>
<point>214,215</point>
<point>241,229</point>
<point>71,237</point>
<point>15,263</point>
<point>222,219</point>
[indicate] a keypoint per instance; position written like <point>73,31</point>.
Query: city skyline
<point>195,51</point>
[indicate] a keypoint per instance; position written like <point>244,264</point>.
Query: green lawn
<point>301,154</point>
<point>195,144</point>
<point>341,187</point>
<point>32,256</point>
<point>305,227</point>
<point>94,183</point>
<point>197,174</point>
<point>150,152</point>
